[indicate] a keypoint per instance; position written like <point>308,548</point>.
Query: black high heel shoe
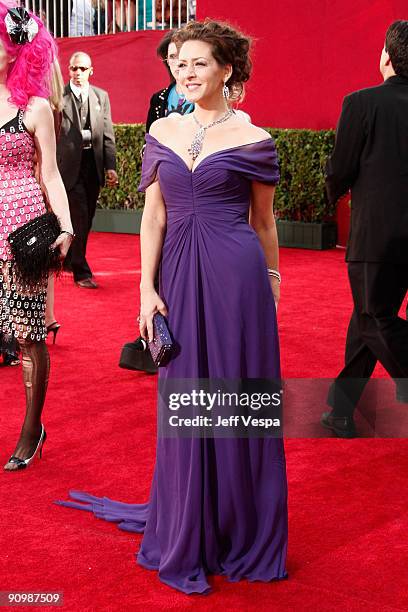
<point>11,359</point>
<point>53,328</point>
<point>136,356</point>
<point>24,463</point>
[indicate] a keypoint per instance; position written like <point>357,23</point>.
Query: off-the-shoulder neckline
<point>193,169</point>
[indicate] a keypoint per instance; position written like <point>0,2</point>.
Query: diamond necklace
<point>198,140</point>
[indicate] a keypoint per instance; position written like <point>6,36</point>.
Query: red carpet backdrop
<point>308,55</point>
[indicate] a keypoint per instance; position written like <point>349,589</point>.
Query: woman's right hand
<point>150,303</point>
<point>275,286</point>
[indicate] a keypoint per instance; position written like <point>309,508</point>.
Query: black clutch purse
<point>30,245</point>
<point>136,356</point>
<point>162,346</point>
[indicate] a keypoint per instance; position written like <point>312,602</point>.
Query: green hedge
<point>300,195</point>
<point>129,143</point>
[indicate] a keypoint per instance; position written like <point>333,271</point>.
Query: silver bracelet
<point>274,274</point>
<point>67,232</point>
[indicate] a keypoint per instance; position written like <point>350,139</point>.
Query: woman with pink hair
<point>27,51</point>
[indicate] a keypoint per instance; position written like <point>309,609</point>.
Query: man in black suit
<point>86,153</point>
<point>371,159</point>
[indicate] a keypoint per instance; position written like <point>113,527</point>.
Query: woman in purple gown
<point>217,506</point>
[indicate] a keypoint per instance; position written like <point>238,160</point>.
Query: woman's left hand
<point>275,285</point>
<point>63,242</point>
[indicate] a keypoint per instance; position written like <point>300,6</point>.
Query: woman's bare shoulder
<point>38,114</point>
<point>157,127</point>
<point>242,132</point>
<point>38,104</point>
<point>253,132</point>
<point>161,128</point>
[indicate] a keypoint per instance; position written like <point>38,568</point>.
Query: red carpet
<point>348,499</point>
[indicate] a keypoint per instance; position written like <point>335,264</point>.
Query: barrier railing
<point>93,17</point>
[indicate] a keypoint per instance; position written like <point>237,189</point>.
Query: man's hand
<point>111,178</point>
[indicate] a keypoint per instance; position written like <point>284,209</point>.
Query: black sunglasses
<point>81,68</point>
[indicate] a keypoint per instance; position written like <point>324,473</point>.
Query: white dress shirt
<point>80,91</point>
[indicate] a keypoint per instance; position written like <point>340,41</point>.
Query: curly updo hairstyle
<point>229,46</point>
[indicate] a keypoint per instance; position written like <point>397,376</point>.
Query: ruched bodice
<point>218,187</point>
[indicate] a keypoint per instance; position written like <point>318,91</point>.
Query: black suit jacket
<point>69,147</point>
<point>158,106</point>
<point>371,158</point>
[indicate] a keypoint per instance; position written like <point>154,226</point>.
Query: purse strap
<point>20,116</point>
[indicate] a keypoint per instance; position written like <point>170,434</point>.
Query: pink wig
<point>28,74</point>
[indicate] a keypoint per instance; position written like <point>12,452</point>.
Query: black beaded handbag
<point>30,245</point>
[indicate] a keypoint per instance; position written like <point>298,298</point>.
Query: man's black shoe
<point>87,283</point>
<point>343,427</point>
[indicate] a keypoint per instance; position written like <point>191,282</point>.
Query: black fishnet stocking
<point>36,366</point>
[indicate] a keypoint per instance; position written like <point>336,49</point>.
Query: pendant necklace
<point>198,140</point>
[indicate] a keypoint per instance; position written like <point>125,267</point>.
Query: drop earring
<point>226,91</point>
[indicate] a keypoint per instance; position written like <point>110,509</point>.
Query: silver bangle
<point>274,274</point>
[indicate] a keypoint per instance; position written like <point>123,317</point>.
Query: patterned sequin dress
<point>22,308</point>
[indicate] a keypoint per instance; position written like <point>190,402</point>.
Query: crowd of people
<point>90,17</point>
<point>218,505</point>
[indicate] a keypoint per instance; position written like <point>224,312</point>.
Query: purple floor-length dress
<point>217,506</point>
